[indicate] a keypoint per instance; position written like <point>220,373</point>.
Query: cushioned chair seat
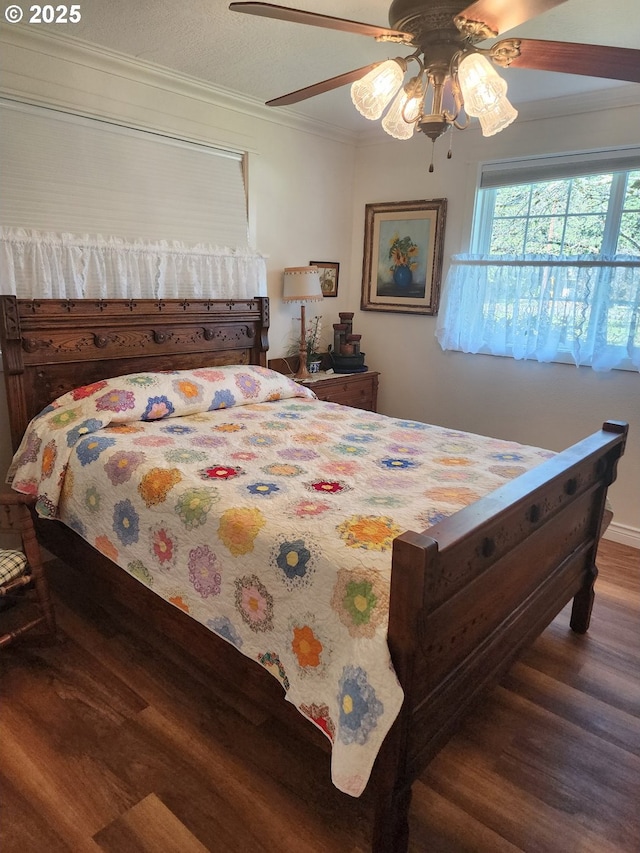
<point>12,565</point>
<point>25,603</point>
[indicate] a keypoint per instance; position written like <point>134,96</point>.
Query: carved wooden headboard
<point>50,346</point>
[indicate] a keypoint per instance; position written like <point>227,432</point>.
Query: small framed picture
<point>403,247</point>
<point>329,272</point>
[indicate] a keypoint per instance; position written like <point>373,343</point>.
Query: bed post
<point>14,380</point>
<point>392,776</point>
<point>264,332</point>
<point>583,603</point>
<point>583,599</point>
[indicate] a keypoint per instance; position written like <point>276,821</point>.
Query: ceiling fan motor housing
<point>429,22</point>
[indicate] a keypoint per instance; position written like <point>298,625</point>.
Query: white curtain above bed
<point>39,265</point>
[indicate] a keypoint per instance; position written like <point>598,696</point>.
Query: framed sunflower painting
<point>403,248</point>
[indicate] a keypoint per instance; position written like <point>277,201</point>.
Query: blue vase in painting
<point>402,276</point>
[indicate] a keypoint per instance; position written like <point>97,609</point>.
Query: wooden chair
<point>20,570</point>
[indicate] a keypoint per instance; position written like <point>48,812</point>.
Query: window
<point>589,214</point>
<point>555,269</point>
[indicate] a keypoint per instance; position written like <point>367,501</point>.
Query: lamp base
<point>302,372</point>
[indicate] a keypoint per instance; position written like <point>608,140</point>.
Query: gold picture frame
<point>329,274</point>
<point>403,250</point>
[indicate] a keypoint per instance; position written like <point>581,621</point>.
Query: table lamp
<point>302,284</point>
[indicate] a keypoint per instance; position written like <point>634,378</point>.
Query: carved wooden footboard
<point>466,596</point>
<point>478,587</point>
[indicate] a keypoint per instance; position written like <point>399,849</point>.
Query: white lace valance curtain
<point>35,264</point>
<point>544,307</point>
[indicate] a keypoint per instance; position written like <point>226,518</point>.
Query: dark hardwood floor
<point>111,740</point>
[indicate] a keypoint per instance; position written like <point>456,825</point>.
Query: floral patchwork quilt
<point>266,515</point>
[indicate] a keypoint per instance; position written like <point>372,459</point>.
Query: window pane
<point>512,201</point>
<point>549,197</point>
<point>545,235</point>
<point>507,237</point>
<point>623,292</point>
<point>629,239</point>
<point>584,235</point>
<point>590,194</point>
<point>618,327</point>
<point>632,198</point>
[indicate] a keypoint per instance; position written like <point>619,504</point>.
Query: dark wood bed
<point>466,595</point>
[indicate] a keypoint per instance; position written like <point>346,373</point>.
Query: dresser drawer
<point>359,390</point>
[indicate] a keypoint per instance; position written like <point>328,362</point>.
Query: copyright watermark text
<point>43,14</point>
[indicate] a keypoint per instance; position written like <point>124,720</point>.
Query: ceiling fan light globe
<point>495,120</point>
<point>412,110</point>
<point>482,87</point>
<point>372,93</point>
<point>394,122</point>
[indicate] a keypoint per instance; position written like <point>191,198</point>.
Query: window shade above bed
<point>92,209</point>
<point>66,173</point>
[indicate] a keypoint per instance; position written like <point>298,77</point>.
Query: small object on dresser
<point>346,356</point>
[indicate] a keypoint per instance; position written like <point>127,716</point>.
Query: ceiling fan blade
<point>320,88</point>
<point>297,16</point>
<point>591,60</point>
<point>503,15</point>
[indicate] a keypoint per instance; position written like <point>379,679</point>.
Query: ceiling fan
<point>458,75</point>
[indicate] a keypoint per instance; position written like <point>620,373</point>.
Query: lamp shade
<point>301,284</point>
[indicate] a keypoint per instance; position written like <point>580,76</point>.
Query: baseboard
<point>624,534</point>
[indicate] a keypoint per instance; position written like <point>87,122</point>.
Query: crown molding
<point>80,53</point>
<point>72,50</point>
<point>627,95</point>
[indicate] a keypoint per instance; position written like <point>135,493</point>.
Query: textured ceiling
<point>264,59</point>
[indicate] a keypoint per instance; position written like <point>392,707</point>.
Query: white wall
<point>303,180</point>
<point>548,405</point>
<point>300,176</point>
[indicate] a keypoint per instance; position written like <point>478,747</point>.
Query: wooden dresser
<point>359,390</point>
